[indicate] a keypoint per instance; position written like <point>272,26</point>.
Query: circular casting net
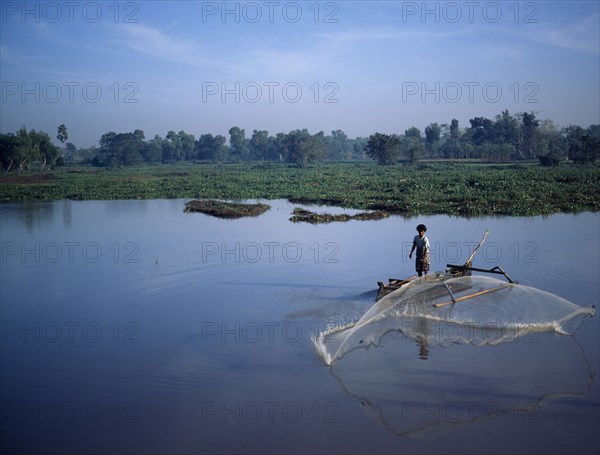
<point>441,310</point>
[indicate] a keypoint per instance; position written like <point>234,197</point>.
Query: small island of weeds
<point>303,215</point>
<point>223,209</point>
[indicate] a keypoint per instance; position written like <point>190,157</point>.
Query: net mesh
<point>440,310</point>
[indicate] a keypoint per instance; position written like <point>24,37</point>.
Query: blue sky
<point>361,67</point>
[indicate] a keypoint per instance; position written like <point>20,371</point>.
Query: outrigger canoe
<point>452,271</point>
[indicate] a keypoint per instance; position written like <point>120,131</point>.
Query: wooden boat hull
<point>392,285</point>
<point>452,271</point>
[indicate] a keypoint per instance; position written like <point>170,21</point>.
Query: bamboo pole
<point>396,281</point>
<point>450,292</point>
<point>470,260</point>
<point>470,296</point>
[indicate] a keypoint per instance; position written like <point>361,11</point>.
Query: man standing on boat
<point>421,244</point>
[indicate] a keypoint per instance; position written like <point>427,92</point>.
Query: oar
<point>470,296</point>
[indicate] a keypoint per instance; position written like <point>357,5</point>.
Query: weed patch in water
<point>222,209</point>
<point>300,215</point>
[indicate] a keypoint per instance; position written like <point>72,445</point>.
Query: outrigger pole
<point>463,269</point>
<point>470,260</point>
<point>496,270</point>
<point>467,267</point>
<point>470,296</point>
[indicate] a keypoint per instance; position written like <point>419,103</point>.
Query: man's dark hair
<point>421,227</point>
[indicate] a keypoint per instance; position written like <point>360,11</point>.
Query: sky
<point>359,66</point>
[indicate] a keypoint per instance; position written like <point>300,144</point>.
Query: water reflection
<point>34,215</point>
<point>120,208</point>
<point>422,338</point>
<point>462,385</point>
<point>67,213</point>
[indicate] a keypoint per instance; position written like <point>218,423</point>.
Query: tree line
<point>298,147</point>
<point>506,137</point>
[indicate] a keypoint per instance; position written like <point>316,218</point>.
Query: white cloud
<point>388,33</point>
<point>584,35</point>
<point>160,46</point>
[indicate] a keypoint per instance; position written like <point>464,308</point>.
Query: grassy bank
<point>445,188</point>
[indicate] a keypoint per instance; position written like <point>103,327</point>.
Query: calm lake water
<point>132,327</point>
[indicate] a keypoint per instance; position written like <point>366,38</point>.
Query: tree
<point>529,133</point>
<point>383,148</point>
<point>594,131</point>
<point>238,144</point>
<point>62,133</point>
<point>359,145</point>
<point>432,138</point>
<point>24,152</point>
<point>591,149</point>
<point>453,143</point>
<point>25,149</point>
<point>123,149</point>
<point>9,144</point>
<point>279,147</point>
<point>209,147</point>
<point>583,145</point>
<point>187,142</point>
<point>45,151</point>
<point>454,129</point>
<point>259,145</point>
<point>551,140</point>
<point>340,147</point>
<point>482,130</point>
<point>139,136</point>
<point>70,151</point>
<point>172,148</point>
<point>104,158</point>
<point>412,145</point>
<point>302,148</point>
<point>152,150</point>
<point>506,131</point>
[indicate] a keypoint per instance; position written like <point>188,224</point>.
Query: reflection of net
<point>439,310</point>
<point>465,384</point>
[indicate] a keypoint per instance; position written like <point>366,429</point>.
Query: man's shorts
<point>422,265</point>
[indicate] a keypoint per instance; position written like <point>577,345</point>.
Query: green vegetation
<point>27,149</point>
<point>222,209</point>
<point>434,187</point>
<point>306,216</point>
